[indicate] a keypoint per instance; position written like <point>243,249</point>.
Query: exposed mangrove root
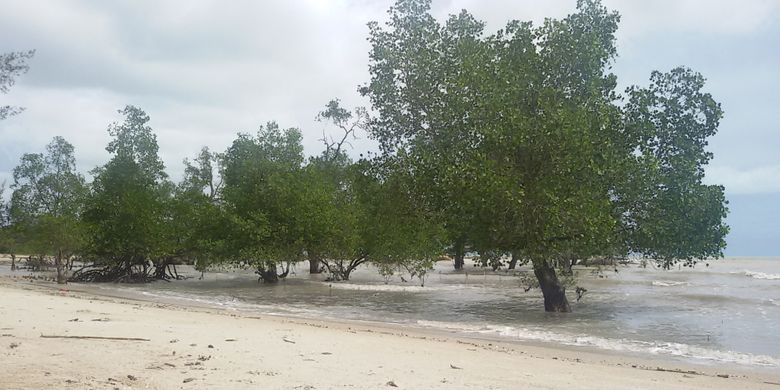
<point>126,273</point>
<point>339,270</point>
<point>166,270</point>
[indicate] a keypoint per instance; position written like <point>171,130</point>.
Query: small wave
<point>622,345</point>
<point>214,300</point>
<point>669,283</point>
<point>234,303</point>
<point>758,275</point>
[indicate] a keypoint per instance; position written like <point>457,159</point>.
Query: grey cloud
<point>214,54</point>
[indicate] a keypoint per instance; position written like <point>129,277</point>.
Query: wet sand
<point>188,347</point>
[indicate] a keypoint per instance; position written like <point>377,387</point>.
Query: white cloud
<point>757,180</point>
<point>79,115</point>
<point>694,16</point>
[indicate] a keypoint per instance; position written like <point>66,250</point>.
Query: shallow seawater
<point>727,312</point>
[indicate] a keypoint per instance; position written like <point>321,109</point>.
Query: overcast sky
<point>204,70</point>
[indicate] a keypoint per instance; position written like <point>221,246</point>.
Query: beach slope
<point>195,348</point>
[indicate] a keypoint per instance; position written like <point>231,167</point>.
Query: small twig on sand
<point>679,371</point>
<point>93,338</point>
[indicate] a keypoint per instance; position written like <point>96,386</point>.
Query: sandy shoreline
<point>204,348</point>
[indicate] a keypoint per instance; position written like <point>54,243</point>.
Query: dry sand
<point>200,348</point>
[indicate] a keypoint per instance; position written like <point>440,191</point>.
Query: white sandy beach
<point>199,348</point>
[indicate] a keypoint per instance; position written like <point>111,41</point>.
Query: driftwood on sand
<point>93,338</point>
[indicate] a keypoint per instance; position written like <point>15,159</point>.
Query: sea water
<point>721,311</point>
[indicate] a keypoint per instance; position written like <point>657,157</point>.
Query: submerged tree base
<point>268,273</point>
<point>553,290</point>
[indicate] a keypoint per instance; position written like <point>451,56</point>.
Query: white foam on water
<point>390,287</point>
<point>758,275</point>
<point>621,345</point>
<point>669,283</point>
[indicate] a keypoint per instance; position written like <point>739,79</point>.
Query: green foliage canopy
<point>125,213</point>
<point>520,143</point>
<point>46,204</point>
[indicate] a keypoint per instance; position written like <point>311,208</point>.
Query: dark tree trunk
<point>58,264</point>
<point>346,272</point>
<point>13,262</point>
<point>460,253</point>
<point>513,262</point>
<point>268,273</point>
<point>554,292</point>
<point>314,265</point>
<point>268,276</point>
